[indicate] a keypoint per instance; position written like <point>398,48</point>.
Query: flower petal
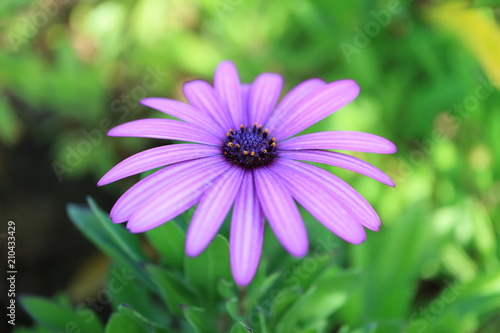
<point>227,87</point>
<point>281,212</point>
<point>181,193</point>
<point>245,100</point>
<point>322,103</point>
<point>182,111</point>
<point>340,160</point>
<point>143,190</point>
<point>361,209</point>
<point>321,201</point>
<point>155,158</point>
<point>247,232</point>
<point>165,129</point>
<point>211,211</point>
<point>341,140</point>
<point>201,95</point>
<point>291,100</point>
<point>264,94</point>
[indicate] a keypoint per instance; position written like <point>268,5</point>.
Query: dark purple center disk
<point>250,147</point>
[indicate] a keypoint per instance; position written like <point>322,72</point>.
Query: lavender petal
<point>180,194</point>
<point>290,102</point>
<point>211,211</point>
<point>146,188</point>
<point>339,160</point>
<point>165,129</point>
<point>201,95</point>
<point>320,200</point>
<point>183,112</point>
<point>155,158</point>
<point>247,232</point>
<point>320,104</point>
<point>227,87</point>
<point>281,212</point>
<point>340,140</point>
<point>264,94</point>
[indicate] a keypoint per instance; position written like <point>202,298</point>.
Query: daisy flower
<point>242,153</point>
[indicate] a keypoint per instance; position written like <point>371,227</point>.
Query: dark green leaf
<point>232,308</point>
<point>143,318</point>
<point>204,271</point>
<point>174,291</point>
<point>200,320</point>
<point>240,328</point>
<point>226,288</point>
<point>168,239</point>
<point>369,328</point>
<point>57,318</point>
<point>121,323</point>
<point>322,299</point>
<point>125,240</point>
<point>119,244</point>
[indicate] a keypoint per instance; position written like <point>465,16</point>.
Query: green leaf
<point>34,329</point>
<point>168,239</point>
<point>232,309</point>
<point>204,271</point>
<point>280,303</point>
<point>125,240</point>
<point>226,288</point>
<point>121,323</point>
<point>199,320</point>
<point>58,318</point>
<point>116,242</point>
<point>483,233</point>
<point>240,328</point>
<point>174,291</point>
<point>257,289</point>
<point>322,299</point>
<point>132,295</point>
<point>125,291</point>
<point>369,328</point>
<point>261,326</point>
<point>141,318</point>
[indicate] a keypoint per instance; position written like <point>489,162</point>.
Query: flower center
<point>250,147</point>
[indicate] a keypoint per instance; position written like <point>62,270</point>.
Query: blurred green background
<point>429,76</point>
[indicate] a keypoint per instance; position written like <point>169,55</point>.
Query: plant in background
<point>243,154</point>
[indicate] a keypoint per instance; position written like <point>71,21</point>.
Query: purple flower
<point>241,155</point>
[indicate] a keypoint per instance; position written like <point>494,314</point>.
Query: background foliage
<point>429,77</point>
